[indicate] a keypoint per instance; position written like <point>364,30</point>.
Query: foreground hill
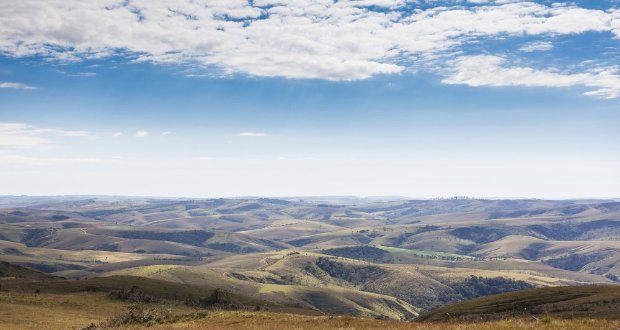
<point>325,299</point>
<point>232,320</point>
<point>592,301</point>
<point>96,312</point>
<point>10,271</point>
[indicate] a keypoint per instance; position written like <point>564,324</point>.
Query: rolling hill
<point>593,301</point>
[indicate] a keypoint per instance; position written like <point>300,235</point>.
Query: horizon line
<point>379,197</point>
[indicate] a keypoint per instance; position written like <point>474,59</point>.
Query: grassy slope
<point>283,277</point>
<point>596,301</point>
<point>160,290</point>
<point>326,299</point>
<point>10,272</point>
<point>80,263</point>
<point>67,311</point>
<point>33,300</point>
<point>267,321</point>
<point>54,311</point>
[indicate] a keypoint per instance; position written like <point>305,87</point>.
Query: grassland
<point>31,300</point>
<point>356,257</point>
<point>74,311</point>
<point>55,311</point>
<point>265,321</point>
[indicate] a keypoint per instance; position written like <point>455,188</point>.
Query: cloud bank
<point>24,136</point>
<point>16,85</point>
<point>300,39</point>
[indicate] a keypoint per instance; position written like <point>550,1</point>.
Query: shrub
<point>138,315</point>
<point>132,294</point>
<point>476,286</point>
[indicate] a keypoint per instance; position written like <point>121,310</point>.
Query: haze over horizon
<point>271,98</point>
<point>308,198</point>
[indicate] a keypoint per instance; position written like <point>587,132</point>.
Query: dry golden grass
<point>69,311</point>
<point>21,311</point>
<point>54,311</point>
<point>265,320</point>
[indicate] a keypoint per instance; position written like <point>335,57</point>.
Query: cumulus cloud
<point>253,134</point>
<point>301,39</point>
<point>141,134</point>
<point>16,85</point>
<point>489,70</point>
<point>23,135</point>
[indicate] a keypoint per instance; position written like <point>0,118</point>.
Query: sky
<point>189,98</point>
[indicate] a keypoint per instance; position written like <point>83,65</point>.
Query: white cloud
<point>166,133</point>
<point>141,134</point>
<point>377,3</point>
<point>20,135</point>
<point>322,39</point>
<point>117,134</point>
<point>253,134</point>
<point>23,135</point>
<point>16,85</point>
<point>537,46</point>
<point>489,70</point>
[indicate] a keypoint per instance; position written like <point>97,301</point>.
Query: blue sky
<point>370,97</point>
